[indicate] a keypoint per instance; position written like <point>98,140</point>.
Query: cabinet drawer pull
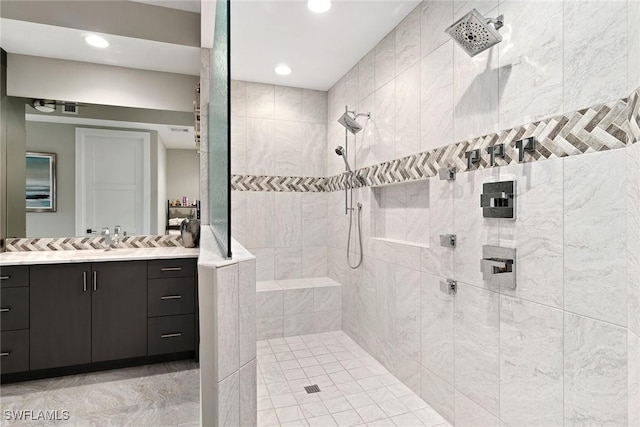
<point>171,297</point>
<point>4,310</point>
<point>84,281</point>
<point>176,334</point>
<point>171,269</point>
<point>5,353</point>
<point>5,277</point>
<point>95,281</point>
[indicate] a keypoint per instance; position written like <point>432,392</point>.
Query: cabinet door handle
<point>84,281</point>
<point>5,353</point>
<point>171,269</point>
<point>4,310</point>
<point>176,334</point>
<point>95,281</point>
<point>5,277</point>
<point>171,297</point>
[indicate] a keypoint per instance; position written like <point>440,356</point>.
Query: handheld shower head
<point>340,152</point>
<point>474,34</point>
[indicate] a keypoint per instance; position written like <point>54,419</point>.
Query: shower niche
<point>400,213</point>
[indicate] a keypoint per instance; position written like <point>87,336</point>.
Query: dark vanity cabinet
<point>82,313</point>
<point>60,315</point>
<point>78,317</point>
<point>118,310</point>
<point>172,306</point>
<point>14,312</point>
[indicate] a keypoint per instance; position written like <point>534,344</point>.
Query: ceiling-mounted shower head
<point>474,34</point>
<point>348,120</point>
<point>340,152</point>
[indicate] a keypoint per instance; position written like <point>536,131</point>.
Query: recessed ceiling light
<point>96,41</point>
<point>319,6</point>
<point>283,70</point>
<point>44,106</point>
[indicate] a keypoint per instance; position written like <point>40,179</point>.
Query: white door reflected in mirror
<point>112,176</point>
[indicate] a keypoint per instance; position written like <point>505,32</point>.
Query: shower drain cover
<point>312,389</point>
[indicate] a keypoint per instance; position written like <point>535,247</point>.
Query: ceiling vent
<point>70,108</point>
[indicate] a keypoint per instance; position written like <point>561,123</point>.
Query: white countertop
<point>98,255</point>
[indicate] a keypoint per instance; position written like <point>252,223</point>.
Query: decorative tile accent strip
<point>634,117</point>
<point>87,243</point>
<point>598,128</point>
<point>277,183</point>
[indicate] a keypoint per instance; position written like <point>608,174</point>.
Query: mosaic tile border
<point>278,183</point>
<point>634,117</point>
<point>88,243</point>
<point>599,128</point>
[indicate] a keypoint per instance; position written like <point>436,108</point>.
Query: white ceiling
<point>29,38</point>
<point>177,139</point>
<point>320,48</point>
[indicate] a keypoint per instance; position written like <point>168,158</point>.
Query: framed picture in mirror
<point>41,182</point>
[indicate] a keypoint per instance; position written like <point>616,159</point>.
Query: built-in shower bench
<point>298,306</point>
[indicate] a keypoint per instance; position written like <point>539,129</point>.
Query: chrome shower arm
<point>497,22</point>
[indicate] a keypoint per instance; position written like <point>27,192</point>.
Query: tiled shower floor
<point>355,388</point>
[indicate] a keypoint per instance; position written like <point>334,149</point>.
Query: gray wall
<point>183,179</point>
<point>99,84</point>
<point>15,178</point>
<point>59,139</point>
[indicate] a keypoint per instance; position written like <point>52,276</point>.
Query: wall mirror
<point>114,166</point>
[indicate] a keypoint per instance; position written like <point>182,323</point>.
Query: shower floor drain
<point>312,389</point>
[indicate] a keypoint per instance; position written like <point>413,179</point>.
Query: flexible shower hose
<point>359,235</point>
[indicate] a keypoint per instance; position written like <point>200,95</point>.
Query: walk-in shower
<point>351,125</point>
<point>474,34</point>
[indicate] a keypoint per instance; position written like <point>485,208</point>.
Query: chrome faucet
<point>117,230</point>
<point>107,238</point>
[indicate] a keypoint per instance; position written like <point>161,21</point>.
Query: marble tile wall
<point>288,308</point>
<point>633,281</point>
<point>561,339</point>
<point>424,92</point>
<point>398,209</point>
<point>227,317</point>
<point>280,131</point>
<point>563,347</point>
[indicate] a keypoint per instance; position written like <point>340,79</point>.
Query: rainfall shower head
<point>348,120</point>
<point>340,152</point>
<point>474,34</point>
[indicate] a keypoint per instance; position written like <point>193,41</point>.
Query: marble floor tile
<point>354,390</point>
<point>166,394</point>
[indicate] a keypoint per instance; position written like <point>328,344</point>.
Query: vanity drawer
<point>168,297</point>
<point>15,351</point>
<point>162,268</point>
<point>170,334</point>
<point>14,276</point>
<point>14,308</point>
